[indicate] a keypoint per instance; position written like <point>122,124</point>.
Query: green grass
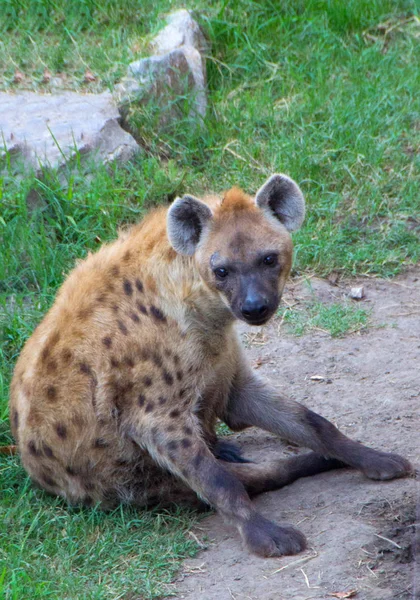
<point>51,551</point>
<point>337,319</point>
<point>324,90</point>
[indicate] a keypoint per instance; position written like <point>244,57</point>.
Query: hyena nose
<point>254,309</point>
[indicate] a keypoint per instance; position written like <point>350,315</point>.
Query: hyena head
<point>242,245</point>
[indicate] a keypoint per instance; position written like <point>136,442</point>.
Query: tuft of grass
<point>338,319</point>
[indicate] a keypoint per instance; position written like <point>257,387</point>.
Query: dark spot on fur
<point>144,354</point>
<point>70,470</point>
<point>88,485</point>
<point>170,428</point>
<point>15,419</point>
<point>187,430</point>
<point>122,327</point>
<point>51,393</point>
<point>128,288</point>
<point>179,375</point>
<point>150,406</point>
<point>51,366</point>
<point>107,341</point>
<point>139,285</point>
<point>61,431</point>
<point>172,445</point>
<point>186,443</point>
<point>101,443</point>
<point>66,355</point>
<point>197,460</point>
<point>122,462</point>
<point>32,448</point>
<point>174,414</point>
<point>124,389</point>
<point>167,378</point>
<point>134,317</point>
<point>157,359</point>
<point>55,338</point>
<point>141,400</point>
<point>182,392</point>
<point>126,256</point>
<point>128,361</point>
<point>85,368</point>
<point>116,413</point>
<point>115,308</point>
<point>45,353</point>
<point>162,400</point>
<point>147,381</point>
<point>114,362</point>
<point>141,307</point>
<point>48,480</point>
<point>157,314</point>
<point>101,298</point>
<point>85,313</point>
<point>115,271</point>
<point>47,451</point>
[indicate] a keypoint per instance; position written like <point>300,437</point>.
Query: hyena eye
<point>270,260</point>
<point>221,272</point>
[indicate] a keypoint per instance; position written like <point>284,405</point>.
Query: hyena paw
<point>383,465</point>
<point>266,539</point>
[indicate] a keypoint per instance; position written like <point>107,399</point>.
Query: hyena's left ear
<point>187,218</point>
<point>282,198</point>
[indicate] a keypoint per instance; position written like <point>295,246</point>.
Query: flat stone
<point>43,130</point>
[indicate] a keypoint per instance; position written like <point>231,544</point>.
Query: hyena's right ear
<point>187,217</point>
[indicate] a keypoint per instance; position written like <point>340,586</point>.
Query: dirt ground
<point>360,532</point>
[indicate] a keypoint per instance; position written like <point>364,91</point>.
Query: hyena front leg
<point>186,455</point>
<point>253,402</point>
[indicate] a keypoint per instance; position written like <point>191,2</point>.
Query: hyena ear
<point>283,199</point>
<point>187,217</point>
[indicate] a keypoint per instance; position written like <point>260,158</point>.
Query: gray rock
<point>357,293</point>
<point>43,130</point>
<point>164,79</point>
<point>176,71</point>
<point>181,30</point>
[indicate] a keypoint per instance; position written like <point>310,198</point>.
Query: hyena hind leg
<point>272,475</point>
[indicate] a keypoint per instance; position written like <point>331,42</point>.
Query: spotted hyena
<point>116,395</point>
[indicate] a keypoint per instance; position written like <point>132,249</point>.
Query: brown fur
<point>116,395</point>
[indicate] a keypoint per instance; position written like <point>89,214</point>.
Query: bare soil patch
<point>361,533</point>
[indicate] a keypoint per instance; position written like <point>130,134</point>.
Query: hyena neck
<point>203,309</point>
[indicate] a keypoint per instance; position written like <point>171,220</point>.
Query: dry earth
<point>360,532</point>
